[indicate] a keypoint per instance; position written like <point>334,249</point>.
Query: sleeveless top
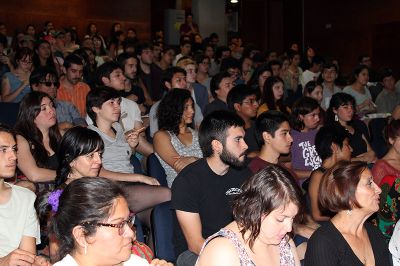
<point>286,255</point>
<point>14,85</point>
<point>183,150</point>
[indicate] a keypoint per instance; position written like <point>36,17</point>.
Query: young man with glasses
<point>46,80</point>
<point>244,102</point>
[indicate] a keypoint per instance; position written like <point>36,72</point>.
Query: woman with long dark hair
<point>38,137</point>
<point>273,96</point>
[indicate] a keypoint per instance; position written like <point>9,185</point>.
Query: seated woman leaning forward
<point>93,225</point>
<point>263,217</point>
<point>348,190</point>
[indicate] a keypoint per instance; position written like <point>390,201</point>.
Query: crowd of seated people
<point>268,159</point>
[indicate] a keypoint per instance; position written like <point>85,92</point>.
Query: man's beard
<point>230,159</point>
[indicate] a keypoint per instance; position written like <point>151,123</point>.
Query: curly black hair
<point>171,109</point>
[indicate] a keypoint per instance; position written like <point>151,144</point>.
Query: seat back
<point>161,219</point>
<point>8,113</point>
<point>155,169</point>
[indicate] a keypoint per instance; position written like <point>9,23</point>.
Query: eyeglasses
<point>49,83</point>
<point>122,226</point>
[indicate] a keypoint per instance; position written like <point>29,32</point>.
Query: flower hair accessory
<point>54,198</point>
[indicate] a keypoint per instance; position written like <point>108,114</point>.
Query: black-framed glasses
<point>122,226</point>
<point>49,83</point>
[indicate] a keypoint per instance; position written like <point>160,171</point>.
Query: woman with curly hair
<point>176,143</point>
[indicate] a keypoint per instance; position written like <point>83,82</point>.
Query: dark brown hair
<point>338,186</point>
<point>264,192</point>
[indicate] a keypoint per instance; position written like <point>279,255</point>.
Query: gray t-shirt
<point>117,152</point>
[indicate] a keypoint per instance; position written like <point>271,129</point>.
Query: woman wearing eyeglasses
<point>15,84</point>
<point>94,226</point>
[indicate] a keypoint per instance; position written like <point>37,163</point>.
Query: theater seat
<point>8,113</point>
<point>161,220</point>
<point>155,169</point>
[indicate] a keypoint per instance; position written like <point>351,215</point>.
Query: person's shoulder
<point>192,173</point>
<point>83,86</point>
<point>22,192</point>
<point>374,232</point>
<point>162,135</point>
<point>129,103</point>
<point>219,251</point>
<point>325,233</point>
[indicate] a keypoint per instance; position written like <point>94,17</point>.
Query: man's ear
<point>237,107</point>
<point>266,137</point>
<point>168,85</point>
<point>217,146</point>
<point>96,109</point>
<point>105,80</point>
<point>335,148</point>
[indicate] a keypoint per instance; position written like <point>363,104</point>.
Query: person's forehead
<point>116,71</point>
<point>76,67</point>
<point>131,60</point>
<point>178,75</point>
<point>6,139</point>
<point>284,126</point>
<point>235,131</point>
<point>250,97</point>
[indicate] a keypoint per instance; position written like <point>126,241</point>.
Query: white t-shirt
<point>394,245</point>
<point>130,114</point>
<point>308,76</point>
<point>17,219</point>
<point>133,261</point>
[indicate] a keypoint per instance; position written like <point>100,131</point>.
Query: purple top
<point>304,154</point>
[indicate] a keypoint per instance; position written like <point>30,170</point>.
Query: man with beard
<point>72,89</point>
<point>202,192</point>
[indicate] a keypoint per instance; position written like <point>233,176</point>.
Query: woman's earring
<point>85,248</point>
<point>336,118</point>
<point>348,212</point>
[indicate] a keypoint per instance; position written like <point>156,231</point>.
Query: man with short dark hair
<point>202,192</point>
<point>388,99</point>
<point>19,226</point>
<point>273,134</point>
<point>72,88</point>
<point>220,86</point>
<point>149,74</point>
<point>186,48</point>
<point>313,72</point>
<point>244,102</point>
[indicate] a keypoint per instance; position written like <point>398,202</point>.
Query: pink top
<point>381,169</point>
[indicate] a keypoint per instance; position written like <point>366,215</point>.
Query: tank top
<point>286,256</point>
